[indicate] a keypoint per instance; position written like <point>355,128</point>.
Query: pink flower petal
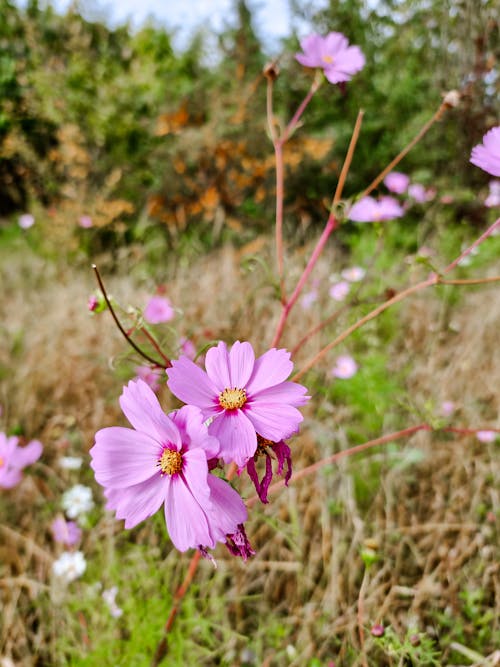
<point>217,365</point>
<point>274,421</point>
<point>192,385</point>
<point>190,422</point>
<point>228,509</point>
<point>236,435</point>
<point>9,477</point>
<point>25,456</point>
<point>122,457</point>
<point>290,393</point>
<point>195,471</point>
<point>140,501</point>
<point>187,523</point>
<point>271,368</point>
<point>141,407</point>
<point>241,363</point>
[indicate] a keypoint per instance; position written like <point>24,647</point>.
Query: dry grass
<point>430,525</point>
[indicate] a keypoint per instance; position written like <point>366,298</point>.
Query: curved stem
<point>467,251</point>
<point>348,158</point>
<point>120,327</point>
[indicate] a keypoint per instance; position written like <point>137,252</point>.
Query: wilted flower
<point>26,220</point>
<point>345,367</point>
<point>283,455</point>
<point>486,436</point>
<point>333,54</point>
<point>158,309</point>
<point>164,460</point>
<point>243,395</point>
<point>14,458</point>
<point>493,199</point>
<point>369,209</point>
<point>77,501</point>
<point>397,182</point>
<point>151,376</point>
<point>487,155</point>
<point>69,566</point>
<point>354,274</point>
<point>339,291</point>
<point>65,532</point>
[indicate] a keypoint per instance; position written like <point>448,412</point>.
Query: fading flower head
<point>13,459</point>
<point>243,395</point>
<point>163,460</point>
<point>77,501</point>
<point>369,209</point>
<point>397,182</point>
<point>65,532</point>
<point>486,156</point>
<point>345,367</point>
<point>69,566</point>
<point>333,54</point>
<point>158,309</point>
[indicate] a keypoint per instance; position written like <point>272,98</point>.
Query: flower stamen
<point>170,462</point>
<point>232,399</point>
<point>327,59</point>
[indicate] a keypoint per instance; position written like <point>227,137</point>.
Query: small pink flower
<point>308,299</point>
<point>14,458</point>
<point>339,291</point>
<point>333,54</point>
<point>66,532</point>
<point>493,199</point>
<point>345,367</point>
<point>151,376</point>
<point>26,220</point>
<point>354,274</point>
<point>158,309</point>
<point>369,209</point>
<point>244,396</point>
<point>418,193</point>
<point>377,630</point>
<point>486,436</point>
<point>486,156</point>
<point>447,199</point>
<point>447,408</point>
<point>396,182</point>
<point>85,221</point>
<point>187,348</point>
<point>92,303</point>
<point>163,460</point>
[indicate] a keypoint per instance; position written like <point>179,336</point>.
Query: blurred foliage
<point>118,126</point>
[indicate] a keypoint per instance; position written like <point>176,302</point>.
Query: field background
<point>167,153</point>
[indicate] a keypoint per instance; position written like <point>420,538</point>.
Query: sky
<point>271,17</point>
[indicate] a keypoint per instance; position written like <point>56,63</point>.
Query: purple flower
<point>158,309</point>
<point>487,155</point>
<point>282,452</point>
<point>26,220</point>
<point>151,376</point>
<point>14,458</point>
<point>243,395</point>
<point>493,199</point>
<point>396,182</point>
<point>369,209</point>
<point>486,436</point>
<point>163,460</point>
<point>345,367</point>
<point>333,54</point>
<point>339,291</point>
<point>85,221</point>
<point>65,532</point>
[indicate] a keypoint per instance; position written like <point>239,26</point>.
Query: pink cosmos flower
<point>397,182</point>
<point>188,348</point>
<point>243,395</point>
<point>65,532</point>
<point>345,367</point>
<point>369,209</point>
<point>158,309</point>
<point>333,54</point>
<point>418,193</point>
<point>163,460</point>
<point>487,155</point>
<point>353,274</point>
<point>339,291</point>
<point>151,376</point>
<point>493,199</point>
<point>486,436</point>
<point>85,221</point>
<point>26,220</point>
<point>14,458</point>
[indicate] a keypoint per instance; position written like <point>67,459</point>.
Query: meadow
<point>382,550</point>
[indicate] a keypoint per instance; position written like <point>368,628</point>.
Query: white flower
<point>69,566</point>
<point>70,462</point>
<point>354,274</point>
<point>77,501</point>
<point>109,598</point>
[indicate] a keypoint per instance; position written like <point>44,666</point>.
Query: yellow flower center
<point>232,399</point>
<point>170,462</point>
<point>1,461</point>
<point>327,59</point>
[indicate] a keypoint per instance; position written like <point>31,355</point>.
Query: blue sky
<point>271,17</point>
